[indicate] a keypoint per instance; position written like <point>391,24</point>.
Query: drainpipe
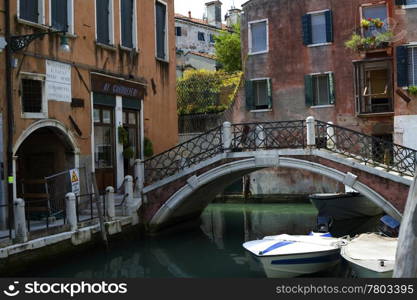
<point>9,97</point>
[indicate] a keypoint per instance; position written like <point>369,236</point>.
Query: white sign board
<point>58,81</point>
<point>75,181</point>
<point>3,43</point>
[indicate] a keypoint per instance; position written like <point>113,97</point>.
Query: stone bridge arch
<point>197,192</point>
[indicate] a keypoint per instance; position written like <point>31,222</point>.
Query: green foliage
<point>412,90</point>
<point>202,91</point>
<point>148,147</point>
<point>228,50</point>
<point>358,43</point>
<point>128,152</point>
<point>123,136</point>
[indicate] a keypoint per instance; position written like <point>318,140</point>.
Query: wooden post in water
<point>406,257</point>
<point>99,209</point>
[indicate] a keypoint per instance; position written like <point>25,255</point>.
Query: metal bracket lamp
<point>20,42</point>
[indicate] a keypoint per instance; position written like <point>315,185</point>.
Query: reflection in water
<point>214,250</point>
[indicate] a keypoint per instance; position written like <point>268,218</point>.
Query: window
<point>31,10</point>
<point>406,66</point>
<point>103,137</point>
<point>320,89</point>
<point>33,96</point>
<point>373,87</point>
<point>318,28</point>
<point>104,17</point>
<point>178,31</point>
<point>201,36</point>
<point>212,38</point>
<point>258,37</point>
<point>374,12</point>
<point>161,30</point>
<point>127,23</point>
<point>258,94</point>
<point>61,12</point>
<point>412,66</point>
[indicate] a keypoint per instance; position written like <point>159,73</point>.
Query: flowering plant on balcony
<point>377,22</point>
<point>379,40</point>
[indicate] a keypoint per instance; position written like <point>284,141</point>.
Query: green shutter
<point>402,65</point>
<point>332,96</point>
<point>308,85</point>
<point>307,31</point>
<point>269,82</point>
<point>329,26</point>
<point>250,101</point>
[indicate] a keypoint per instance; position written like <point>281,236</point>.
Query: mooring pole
<point>406,257</point>
<point>99,210</point>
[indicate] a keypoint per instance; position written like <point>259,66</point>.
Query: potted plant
<point>412,90</point>
<point>128,152</point>
<point>365,23</point>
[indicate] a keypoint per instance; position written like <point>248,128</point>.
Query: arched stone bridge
<point>181,182</point>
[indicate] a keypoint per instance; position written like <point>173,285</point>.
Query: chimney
<point>233,16</point>
<point>214,13</point>
<point>189,14</point>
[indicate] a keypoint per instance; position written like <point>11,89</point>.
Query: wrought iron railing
<point>185,155</point>
<point>268,135</point>
<point>367,149</point>
<point>282,135</point>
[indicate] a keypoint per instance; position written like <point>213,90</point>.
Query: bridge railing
<point>184,155</point>
<point>268,135</point>
<point>365,148</point>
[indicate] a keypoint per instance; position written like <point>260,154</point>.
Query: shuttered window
<point>319,89</point>
<point>103,21</point>
<point>59,14</point>
<point>317,28</point>
<point>178,31</point>
<point>258,37</point>
<point>258,94</point>
<point>160,13</point>
<point>127,13</point>
<point>29,10</point>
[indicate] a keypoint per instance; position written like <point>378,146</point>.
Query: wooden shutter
<point>402,66</point>
<point>29,10</point>
<point>160,30</point>
<point>307,33</point>
<point>332,95</point>
<point>103,26</point>
<point>127,23</point>
<point>269,89</point>
<point>308,85</point>
<point>250,101</point>
<point>329,26</point>
<point>59,13</point>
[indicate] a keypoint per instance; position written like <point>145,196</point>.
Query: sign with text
<point>58,81</point>
<point>116,86</point>
<point>75,181</point>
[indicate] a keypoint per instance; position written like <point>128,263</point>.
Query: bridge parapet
<point>298,134</point>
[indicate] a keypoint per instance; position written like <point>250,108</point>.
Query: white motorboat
<point>284,256</point>
<point>371,255</point>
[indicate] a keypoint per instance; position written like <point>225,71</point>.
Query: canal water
<point>213,250</point>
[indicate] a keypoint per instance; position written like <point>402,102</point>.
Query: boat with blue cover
<point>284,256</point>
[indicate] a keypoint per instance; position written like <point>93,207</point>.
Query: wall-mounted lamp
<point>19,42</point>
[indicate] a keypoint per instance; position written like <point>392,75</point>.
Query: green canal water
<point>213,250</point>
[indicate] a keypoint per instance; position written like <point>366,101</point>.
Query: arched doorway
<point>42,151</point>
